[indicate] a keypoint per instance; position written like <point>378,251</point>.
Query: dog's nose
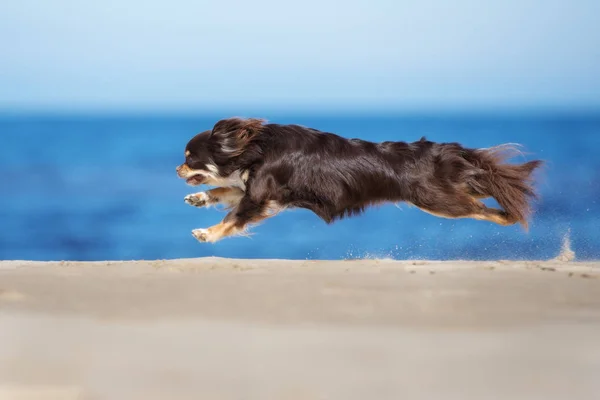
<point>177,168</point>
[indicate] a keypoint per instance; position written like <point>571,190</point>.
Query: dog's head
<point>211,156</point>
<point>198,165</point>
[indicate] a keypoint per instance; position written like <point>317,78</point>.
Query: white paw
<point>202,235</point>
<point>197,199</point>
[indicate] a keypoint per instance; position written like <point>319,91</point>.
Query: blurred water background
<point>98,99</point>
<point>104,188</point>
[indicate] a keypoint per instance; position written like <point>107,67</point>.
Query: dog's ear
<point>234,134</point>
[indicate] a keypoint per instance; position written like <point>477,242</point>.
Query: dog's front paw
<point>202,235</point>
<point>197,199</point>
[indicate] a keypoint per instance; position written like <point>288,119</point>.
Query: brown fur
<point>279,166</point>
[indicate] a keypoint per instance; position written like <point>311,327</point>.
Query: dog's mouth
<point>195,180</point>
<point>192,177</point>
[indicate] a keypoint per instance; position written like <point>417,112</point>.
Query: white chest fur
<point>236,179</point>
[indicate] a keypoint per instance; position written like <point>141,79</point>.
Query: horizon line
<point>267,109</point>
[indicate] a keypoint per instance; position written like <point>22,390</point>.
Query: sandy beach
<point>212,328</point>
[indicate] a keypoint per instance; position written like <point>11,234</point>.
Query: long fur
<point>335,177</point>
<point>511,185</point>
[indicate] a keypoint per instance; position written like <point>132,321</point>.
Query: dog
<point>260,169</point>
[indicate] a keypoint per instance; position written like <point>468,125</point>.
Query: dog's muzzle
<point>183,171</point>
<point>191,177</point>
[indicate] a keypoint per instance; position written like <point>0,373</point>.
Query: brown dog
<point>260,169</point>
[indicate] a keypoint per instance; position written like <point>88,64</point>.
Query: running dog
<point>260,169</point>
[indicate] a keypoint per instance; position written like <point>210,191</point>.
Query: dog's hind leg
<point>246,213</point>
<point>494,215</point>
<point>230,196</point>
<point>459,205</point>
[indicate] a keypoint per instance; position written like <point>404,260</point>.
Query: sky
<point>66,55</point>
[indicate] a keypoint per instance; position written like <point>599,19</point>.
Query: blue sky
<point>190,55</point>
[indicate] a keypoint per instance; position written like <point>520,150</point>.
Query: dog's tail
<point>510,184</point>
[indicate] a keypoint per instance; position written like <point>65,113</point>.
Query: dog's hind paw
<point>197,199</point>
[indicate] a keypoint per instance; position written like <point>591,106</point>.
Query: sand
<point>212,328</point>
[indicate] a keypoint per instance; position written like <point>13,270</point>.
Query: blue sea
<point>105,188</point>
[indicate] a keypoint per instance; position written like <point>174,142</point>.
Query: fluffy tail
<point>509,184</point>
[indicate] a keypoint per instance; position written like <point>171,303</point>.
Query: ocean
<point>105,188</point>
